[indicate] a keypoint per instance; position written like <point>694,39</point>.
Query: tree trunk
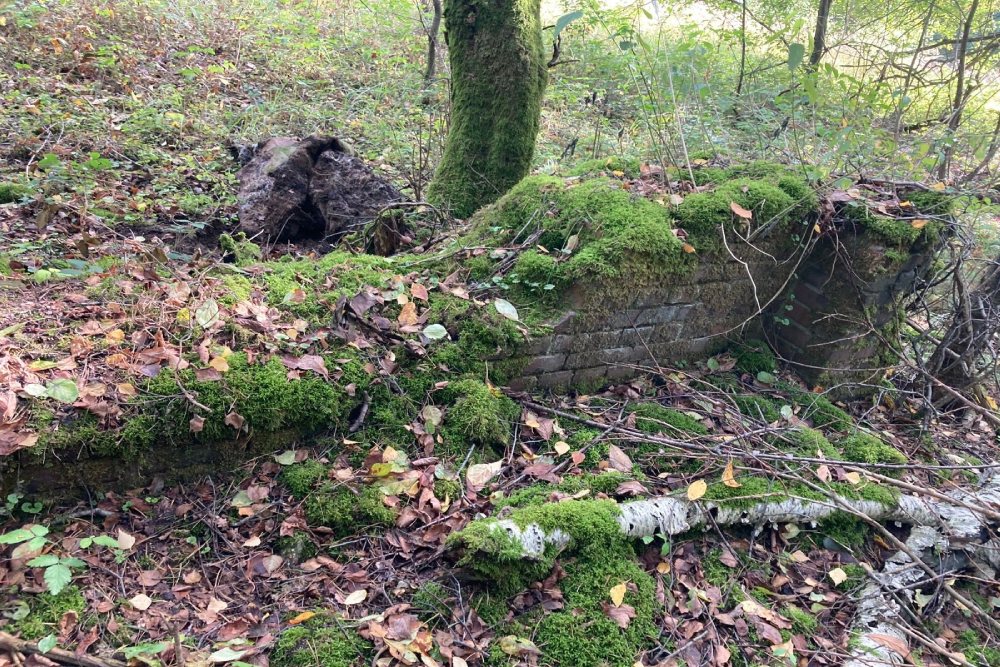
<point>955,120</point>
<point>498,78</point>
<point>432,41</point>
<point>819,36</point>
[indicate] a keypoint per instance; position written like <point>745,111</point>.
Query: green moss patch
<point>610,166</point>
<point>46,612</point>
<point>317,644</point>
<point>12,193</point>
<point>343,510</point>
<point>655,418</point>
<point>480,415</point>
<point>867,448</point>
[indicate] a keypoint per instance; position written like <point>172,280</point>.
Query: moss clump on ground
<point>845,530</point>
<point>260,393</point>
<point>491,552</point>
<point>582,635</point>
<point>977,649</point>
<point>482,341</point>
<point>239,249</point>
<point>602,558</point>
<point>609,166</point>
<point>901,234</point>
<point>819,409</point>
<point>480,415</point>
<point>315,644</point>
<point>654,418</point>
<point>11,193</point>
<point>300,478</point>
<point>46,612</point>
<point>809,442</point>
<point>343,510</point>
<point>867,448</point>
<point>296,547</point>
<point>803,622</point>
<point>759,407</point>
<point>716,572</point>
<point>430,602</point>
<point>754,356</point>
<point>310,288</point>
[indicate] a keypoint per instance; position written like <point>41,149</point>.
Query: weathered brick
<point>561,343</point>
<point>635,336</point>
<point>557,380</point>
<point>621,373</point>
<point>622,319</point>
<point>665,333</point>
<point>565,323</point>
<point>545,364</point>
<point>589,375</point>
<point>597,340</point>
<point>538,345</point>
<point>524,383</point>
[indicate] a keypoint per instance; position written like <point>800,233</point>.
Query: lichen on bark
<point>498,78</point>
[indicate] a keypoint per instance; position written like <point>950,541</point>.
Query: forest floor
<point>120,180</point>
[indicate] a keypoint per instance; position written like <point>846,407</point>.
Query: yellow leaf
<point>663,567</point>
<point>126,390</point>
<point>853,477</point>
<point>817,228</point>
<point>302,618</point>
<point>697,489</point>
<point>618,594</point>
<point>919,223</point>
<point>740,211</point>
<point>408,314</point>
<point>676,199</point>
<point>939,187</point>
<point>356,597</point>
<point>115,336</point>
<point>992,403</point>
<point>617,173</point>
<point>799,557</point>
<point>729,477</point>
<point>220,364</point>
<point>837,576</point>
<point>688,248</point>
<point>561,447</point>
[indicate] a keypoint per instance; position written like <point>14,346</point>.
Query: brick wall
<point>695,313</point>
<point>750,291</point>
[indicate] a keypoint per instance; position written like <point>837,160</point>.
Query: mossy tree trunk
<point>498,77</point>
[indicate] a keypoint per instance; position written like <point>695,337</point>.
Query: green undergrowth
<point>321,641</point>
<point>46,612</point>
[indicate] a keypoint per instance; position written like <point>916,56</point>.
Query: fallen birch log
<point>959,521</point>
